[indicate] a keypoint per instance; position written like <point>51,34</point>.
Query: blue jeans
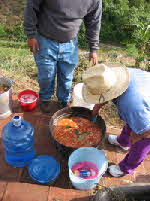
<point>53,59</point>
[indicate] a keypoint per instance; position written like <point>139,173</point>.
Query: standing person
<point>52,28</point>
<point>129,89</point>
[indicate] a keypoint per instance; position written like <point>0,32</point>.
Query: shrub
<point>14,32</point>
<point>118,13</point>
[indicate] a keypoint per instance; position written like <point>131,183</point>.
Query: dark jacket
<point>60,20</point>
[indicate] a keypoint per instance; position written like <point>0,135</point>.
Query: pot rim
<point>11,82</point>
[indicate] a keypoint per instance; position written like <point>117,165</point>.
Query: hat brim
<point>122,84</point>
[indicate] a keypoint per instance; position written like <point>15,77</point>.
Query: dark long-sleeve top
<point>60,20</point>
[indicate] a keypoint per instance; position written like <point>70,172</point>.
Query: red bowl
<point>28,106</point>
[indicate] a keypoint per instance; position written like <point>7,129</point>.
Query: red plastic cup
<point>28,100</point>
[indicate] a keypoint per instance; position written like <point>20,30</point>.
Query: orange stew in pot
<point>77,132</point>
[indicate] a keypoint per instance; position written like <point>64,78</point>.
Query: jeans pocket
<point>43,45</point>
<point>70,54</point>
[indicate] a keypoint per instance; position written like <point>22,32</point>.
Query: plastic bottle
<point>82,173</point>
<point>18,142</point>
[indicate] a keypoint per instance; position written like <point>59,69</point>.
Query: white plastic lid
<point>16,121</point>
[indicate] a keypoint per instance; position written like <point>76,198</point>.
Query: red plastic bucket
<point>28,100</point>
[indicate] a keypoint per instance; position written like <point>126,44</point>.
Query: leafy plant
<point>117,14</point>
<point>141,37</point>
<point>131,49</point>
<point>67,126</point>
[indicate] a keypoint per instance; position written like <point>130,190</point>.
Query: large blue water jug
<point>18,142</point>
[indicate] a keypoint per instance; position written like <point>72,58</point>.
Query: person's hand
<point>93,57</point>
<point>33,45</point>
<point>69,104</point>
<point>96,109</point>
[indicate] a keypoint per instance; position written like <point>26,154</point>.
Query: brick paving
<point>16,185</point>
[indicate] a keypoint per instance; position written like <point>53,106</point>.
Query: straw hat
<point>104,82</point>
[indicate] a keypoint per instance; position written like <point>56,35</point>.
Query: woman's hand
<point>97,107</point>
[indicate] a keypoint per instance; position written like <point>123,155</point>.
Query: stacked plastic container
<point>88,154</point>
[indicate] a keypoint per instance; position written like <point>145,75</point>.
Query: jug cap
<point>16,121</point>
<point>44,169</point>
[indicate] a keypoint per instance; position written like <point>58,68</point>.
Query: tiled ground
<point>16,185</point>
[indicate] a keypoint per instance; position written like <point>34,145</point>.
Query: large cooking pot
<point>68,112</point>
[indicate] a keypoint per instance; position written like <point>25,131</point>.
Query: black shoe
<point>45,106</point>
<point>62,104</point>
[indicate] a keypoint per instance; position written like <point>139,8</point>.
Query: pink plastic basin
<point>28,100</point>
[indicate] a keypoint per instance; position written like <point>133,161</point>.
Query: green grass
<point>13,44</point>
<point>15,59</point>
<point>17,63</point>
